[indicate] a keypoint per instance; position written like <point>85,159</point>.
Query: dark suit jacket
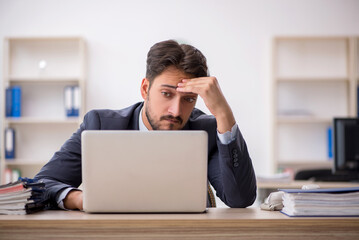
<point>230,169</point>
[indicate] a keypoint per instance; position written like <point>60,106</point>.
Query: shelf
<point>303,120</point>
<point>32,120</point>
<point>311,58</point>
<point>313,79</point>
<point>306,38</point>
<point>313,83</point>
<point>315,99</point>
<point>46,38</point>
<point>43,68</point>
<point>17,162</point>
<point>69,80</point>
<point>306,163</point>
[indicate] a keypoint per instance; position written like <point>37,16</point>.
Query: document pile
<point>278,177</point>
<point>22,197</point>
<point>321,202</point>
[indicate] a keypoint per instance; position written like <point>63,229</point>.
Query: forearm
<point>52,190</point>
<point>225,119</point>
<point>239,182</point>
<point>232,173</point>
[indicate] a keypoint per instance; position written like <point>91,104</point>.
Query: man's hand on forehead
<point>208,89</point>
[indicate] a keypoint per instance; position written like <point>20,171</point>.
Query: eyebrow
<point>175,87</point>
<point>169,86</point>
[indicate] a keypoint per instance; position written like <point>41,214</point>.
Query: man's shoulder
<point>125,118</point>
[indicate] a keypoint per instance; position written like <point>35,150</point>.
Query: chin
<point>169,127</point>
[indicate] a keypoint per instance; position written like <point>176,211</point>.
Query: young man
<point>176,75</point>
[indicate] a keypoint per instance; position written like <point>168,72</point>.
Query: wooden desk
<point>220,223</point>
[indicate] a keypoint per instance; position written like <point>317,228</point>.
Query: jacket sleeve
<point>64,168</point>
<point>231,173</point>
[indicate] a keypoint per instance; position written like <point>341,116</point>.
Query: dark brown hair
<point>182,56</point>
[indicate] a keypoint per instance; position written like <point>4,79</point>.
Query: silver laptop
<point>155,171</point>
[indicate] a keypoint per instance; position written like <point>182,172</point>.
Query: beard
<point>156,124</point>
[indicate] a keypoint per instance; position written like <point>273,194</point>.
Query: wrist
<point>73,200</point>
<point>225,121</point>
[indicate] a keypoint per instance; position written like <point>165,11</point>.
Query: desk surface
<point>249,223</point>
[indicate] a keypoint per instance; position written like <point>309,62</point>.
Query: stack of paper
<point>321,202</point>
<point>279,177</point>
<point>21,197</point>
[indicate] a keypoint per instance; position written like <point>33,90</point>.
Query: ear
<point>144,88</point>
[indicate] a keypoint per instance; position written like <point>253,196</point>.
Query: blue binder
<point>76,101</point>
<point>8,102</point>
<point>72,101</point>
<point>68,99</point>
<point>330,142</point>
<point>9,143</point>
<point>16,101</point>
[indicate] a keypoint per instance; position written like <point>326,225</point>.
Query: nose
<point>175,108</point>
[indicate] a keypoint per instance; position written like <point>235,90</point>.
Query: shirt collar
<point>141,125</point>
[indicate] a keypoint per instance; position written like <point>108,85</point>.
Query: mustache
<point>170,117</point>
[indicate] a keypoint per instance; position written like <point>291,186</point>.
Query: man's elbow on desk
<point>242,200</point>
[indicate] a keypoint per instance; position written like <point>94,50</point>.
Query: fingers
<point>190,87</point>
<point>198,85</point>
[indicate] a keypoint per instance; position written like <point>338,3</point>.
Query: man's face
<point>164,107</point>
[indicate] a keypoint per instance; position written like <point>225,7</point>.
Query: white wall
<point>235,36</point>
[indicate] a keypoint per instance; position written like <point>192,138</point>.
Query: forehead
<point>170,76</point>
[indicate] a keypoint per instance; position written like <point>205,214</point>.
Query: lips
<point>171,119</point>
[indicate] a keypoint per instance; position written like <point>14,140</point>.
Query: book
<point>9,143</point>
<point>7,178</point>
<point>76,101</point>
<point>16,101</point>
<point>13,101</point>
<point>68,100</point>
<point>324,202</point>
<point>22,197</point>
<point>15,175</point>
<point>11,175</point>
<point>72,101</point>
<point>330,142</point>
<point>8,102</point>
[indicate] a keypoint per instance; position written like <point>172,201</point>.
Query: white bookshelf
<point>312,83</point>
<point>43,126</point>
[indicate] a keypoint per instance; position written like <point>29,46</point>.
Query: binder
<point>76,101</point>
<point>322,190</point>
<point>22,197</point>
<point>7,175</point>
<point>8,102</point>
<point>16,101</point>
<point>68,100</point>
<point>72,98</point>
<point>322,202</point>
<point>9,143</point>
<point>16,174</point>
<point>330,142</point>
